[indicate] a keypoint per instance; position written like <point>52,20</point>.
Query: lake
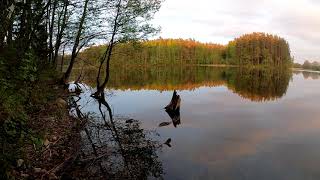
<point>233,123</point>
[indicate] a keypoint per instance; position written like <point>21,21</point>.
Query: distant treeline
<point>308,65</point>
<point>162,51</point>
<point>259,49</point>
<point>249,49</point>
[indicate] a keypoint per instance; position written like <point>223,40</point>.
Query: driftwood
<point>173,109</point>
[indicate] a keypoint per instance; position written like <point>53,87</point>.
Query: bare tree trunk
<point>76,44</point>
<point>10,29</point>
<point>61,27</point>
<point>100,88</point>
<point>62,59</point>
<point>107,56</point>
<point>51,30</point>
<point>32,24</point>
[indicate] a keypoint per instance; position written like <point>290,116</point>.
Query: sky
<point>219,21</point>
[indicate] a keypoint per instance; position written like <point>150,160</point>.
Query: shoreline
<point>181,65</point>
<point>304,70</point>
<point>53,136</point>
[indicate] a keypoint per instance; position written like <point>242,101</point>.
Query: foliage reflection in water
<point>223,130</point>
<point>114,148</point>
<point>256,84</point>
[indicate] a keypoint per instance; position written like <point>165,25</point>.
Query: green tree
<point>128,20</point>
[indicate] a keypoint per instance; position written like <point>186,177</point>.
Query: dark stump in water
<point>173,109</point>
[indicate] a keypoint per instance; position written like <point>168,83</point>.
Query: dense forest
<point>259,49</point>
<point>34,35</point>
<point>315,66</point>
<point>160,52</point>
<point>251,49</point>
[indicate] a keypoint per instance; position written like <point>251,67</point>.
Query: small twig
<point>51,144</point>
<point>70,159</point>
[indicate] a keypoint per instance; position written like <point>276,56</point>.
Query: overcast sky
<point>220,21</point>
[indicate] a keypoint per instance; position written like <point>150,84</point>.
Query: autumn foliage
<point>250,49</point>
<point>161,51</point>
<point>259,49</point>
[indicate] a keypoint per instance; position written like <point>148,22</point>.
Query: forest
<point>256,49</point>
<point>36,132</point>
<point>308,65</point>
<point>259,49</point>
<point>159,52</point>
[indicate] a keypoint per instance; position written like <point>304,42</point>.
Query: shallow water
<point>235,123</point>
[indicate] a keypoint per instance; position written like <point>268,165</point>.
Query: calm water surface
<point>235,123</point>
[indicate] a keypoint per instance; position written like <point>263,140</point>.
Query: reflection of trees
<point>117,149</point>
<point>256,84</point>
<point>311,75</point>
<point>159,78</point>
<point>259,84</point>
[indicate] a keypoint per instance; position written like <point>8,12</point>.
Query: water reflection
<point>250,83</point>
<point>308,74</point>
<point>114,148</point>
<point>222,135</point>
<point>311,75</point>
<point>168,141</point>
<point>259,84</point>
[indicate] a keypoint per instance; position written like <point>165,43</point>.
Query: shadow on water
<point>114,148</point>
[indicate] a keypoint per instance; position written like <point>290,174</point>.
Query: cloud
<point>221,21</point>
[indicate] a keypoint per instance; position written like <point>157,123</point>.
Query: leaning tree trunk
<point>107,55</point>
<point>61,28</point>
<point>51,30</point>
<point>100,88</point>
<point>67,74</point>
